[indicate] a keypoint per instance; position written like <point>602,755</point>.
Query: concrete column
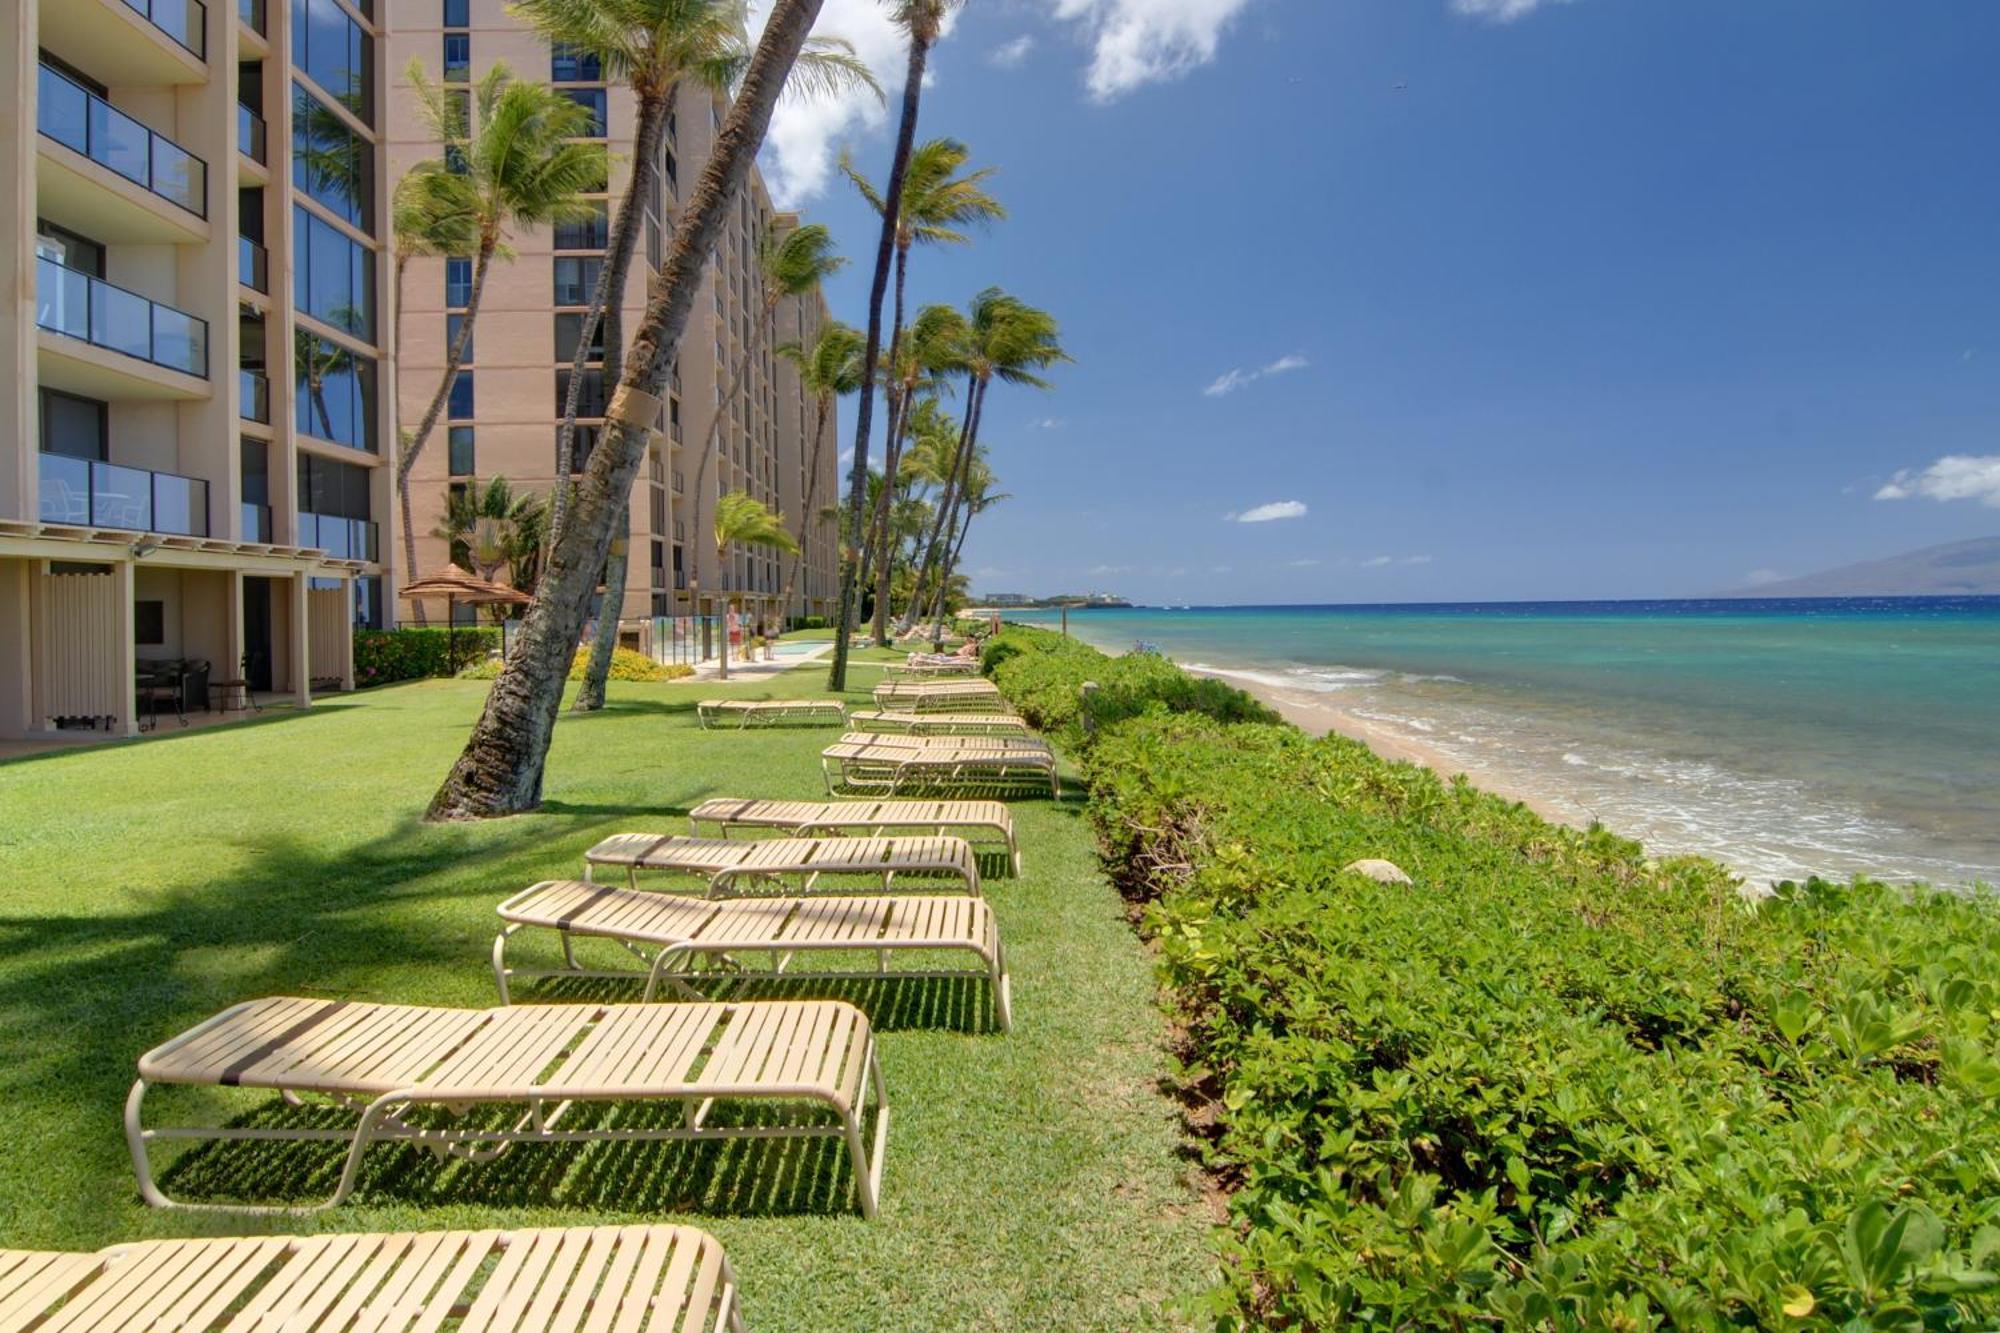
<point>127,647</point>
<point>19,31</point>
<point>301,641</point>
<point>17,665</point>
<point>347,641</point>
<point>233,620</point>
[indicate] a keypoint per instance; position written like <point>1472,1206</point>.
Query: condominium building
<point>506,404</point>
<point>192,484</point>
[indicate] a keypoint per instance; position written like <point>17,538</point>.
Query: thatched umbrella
<point>455,585</point>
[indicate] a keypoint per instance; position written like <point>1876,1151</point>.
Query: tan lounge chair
<point>382,1061</point>
<point>680,931</point>
<point>732,864</point>
<point>939,724</point>
<point>940,696</point>
<point>867,816</point>
<point>936,667</point>
<point>894,764</point>
<point>547,1279</point>
<point>747,713</point>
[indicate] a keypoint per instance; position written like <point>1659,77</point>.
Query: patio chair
<point>729,866</point>
<point>489,1281</point>
<point>771,712</point>
<point>383,1062</point>
<point>873,818</point>
<point>941,696</point>
<point>896,764</point>
<point>938,724</point>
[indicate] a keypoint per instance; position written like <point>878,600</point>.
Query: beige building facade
<point>192,482</point>
<point>507,403</point>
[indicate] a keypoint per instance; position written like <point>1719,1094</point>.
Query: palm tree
<point>1009,340</point>
<point>494,527</point>
<point>742,520</point>
<point>316,359</point>
<point>828,370</point>
<point>922,20</point>
<point>976,496</point>
<point>520,170</point>
<point>500,770</point>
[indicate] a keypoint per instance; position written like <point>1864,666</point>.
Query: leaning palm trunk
<point>709,441</point>
<point>899,404</point>
<point>944,581</point>
<point>968,435</point>
<point>500,770</point>
<point>454,356</point>
<point>604,642</point>
<point>402,473</point>
<point>857,484</point>
<point>806,510</point>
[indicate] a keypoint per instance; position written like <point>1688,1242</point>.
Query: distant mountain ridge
<point>1955,569</point>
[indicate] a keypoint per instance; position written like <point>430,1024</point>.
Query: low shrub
<point>1044,674</point>
<point>625,665</point>
<point>382,656</point>
<point>1554,1083</point>
<point>809,622</point>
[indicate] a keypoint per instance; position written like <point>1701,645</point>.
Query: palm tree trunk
<point>733,386</point>
<point>975,399</point>
<point>797,561</point>
<point>402,473</point>
<point>722,577</point>
<point>500,770</point>
<point>956,501</point>
<point>950,569</point>
<point>899,405</point>
<point>453,357</point>
<point>857,485</point>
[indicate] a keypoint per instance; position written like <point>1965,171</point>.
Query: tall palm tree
<point>500,770</point>
<point>934,349</point>
<point>976,496</point>
<point>827,370</point>
<point>521,170</point>
<point>1009,340</point>
<point>742,520</point>
<point>921,21</point>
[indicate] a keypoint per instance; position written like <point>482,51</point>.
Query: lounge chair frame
<point>533,1279</point>
<point>894,764</point>
<point>941,696</point>
<point>731,864</point>
<point>672,936</point>
<point>926,670</point>
<point>891,723</point>
<point>770,712</point>
<point>705,1049</point>
<point>873,818</point>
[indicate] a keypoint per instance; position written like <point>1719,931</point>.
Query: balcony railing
<point>253,265</point>
<point>340,538</point>
<point>249,133</point>
<point>185,21</point>
<point>252,14</point>
<point>255,390</point>
<point>107,495</point>
<point>92,310</point>
<point>256,521</point>
<point>78,118</point>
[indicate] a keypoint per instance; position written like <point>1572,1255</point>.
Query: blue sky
<point>1481,298</point>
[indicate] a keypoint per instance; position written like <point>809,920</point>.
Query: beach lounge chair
<point>937,666</point>
<point>731,865</point>
<point>869,817</point>
<point>381,1062</point>
<point>863,762</point>
<point>670,934</point>
<point>546,1279</point>
<point>940,696</point>
<point>771,712</point>
<point>938,724</point>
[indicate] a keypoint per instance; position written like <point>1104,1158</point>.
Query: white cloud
<point>1300,564</point>
<point>1499,11</point>
<point>1416,560</point>
<point>1231,381</point>
<point>1008,55</point>
<point>799,150</point>
<point>1220,569</point>
<point>1267,512</point>
<point>1110,569</point>
<point>1137,42</point>
<point>1377,561</point>
<point>1953,477</point>
<point>1047,423</point>
<point>1757,578</point>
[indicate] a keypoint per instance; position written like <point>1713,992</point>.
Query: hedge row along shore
<point>1554,1083</point>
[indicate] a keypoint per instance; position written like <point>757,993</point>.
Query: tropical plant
<point>500,769</point>
<point>922,21</point>
<point>742,520</point>
<point>976,496</point>
<point>828,370</point>
<point>494,527</point>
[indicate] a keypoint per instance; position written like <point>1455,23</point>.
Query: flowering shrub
<point>625,665</point>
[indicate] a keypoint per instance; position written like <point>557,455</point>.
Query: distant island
<point>1015,601</point>
<point>1955,569</point>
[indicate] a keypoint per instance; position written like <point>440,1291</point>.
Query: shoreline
<point>1312,714</point>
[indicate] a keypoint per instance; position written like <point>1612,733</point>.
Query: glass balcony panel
<point>121,143</point>
<point>182,20</point>
<point>179,175</point>
<point>121,497</point>
<point>79,119</point>
<point>65,489</point>
<point>63,112</point>
<point>253,265</point>
<point>249,133</point>
<point>256,522</point>
<point>108,316</point>
<point>121,320</point>
<point>62,299</point>
<point>255,391</point>
<point>252,13</point>
<point>180,340</point>
<point>180,505</point>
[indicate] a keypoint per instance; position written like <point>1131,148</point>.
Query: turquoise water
<point>1828,736</point>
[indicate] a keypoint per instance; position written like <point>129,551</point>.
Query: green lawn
<point>1032,1179</point>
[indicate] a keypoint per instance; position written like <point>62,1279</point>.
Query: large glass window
<point>74,427</point>
<point>333,488</point>
<point>569,327</point>
<point>457,13</point>
<point>334,275</point>
<point>457,283</point>
<point>452,325</point>
<point>462,459</point>
<point>459,408</point>
<point>567,64</point>
<point>576,278</point>
<point>590,398</point>
<point>457,57</point>
<point>334,392</point>
<point>591,100</point>
<point>330,162</point>
<point>335,53</point>
<point>593,233</point>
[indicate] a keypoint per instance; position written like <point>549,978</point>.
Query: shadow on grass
<point>892,1003</point>
<point>272,715</point>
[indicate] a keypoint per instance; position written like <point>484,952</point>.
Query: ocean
<point>1785,737</point>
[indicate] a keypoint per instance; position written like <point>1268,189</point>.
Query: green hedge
<point>1044,675</point>
<point>1553,1083</point>
<point>381,656</point>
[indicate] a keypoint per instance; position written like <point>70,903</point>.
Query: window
<point>332,488</point>
<point>74,427</point>
<point>149,623</point>
<point>333,278</point>
<point>455,161</point>
<point>330,162</point>
<point>590,234</point>
<point>590,400</point>
<point>457,57</point>
<point>569,327</point>
<point>452,324</point>
<point>457,13</point>
<point>567,64</point>
<point>368,602</point>
<point>586,440</point>
<point>576,278</point>
<point>334,53</point>
<point>459,408</point>
<point>335,392</point>
<point>457,283</point>
<point>460,448</point>
<point>591,100</point>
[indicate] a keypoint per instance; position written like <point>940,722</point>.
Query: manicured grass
<point>1032,1179</point>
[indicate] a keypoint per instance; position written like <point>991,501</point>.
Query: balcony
<point>251,13</point>
<point>250,134</point>
<point>90,494</point>
<point>85,199</point>
<point>255,392</point>
<point>94,311</point>
<point>340,538</point>
<point>130,43</point>
<point>186,21</point>
<point>253,265</point>
<point>255,520</point>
